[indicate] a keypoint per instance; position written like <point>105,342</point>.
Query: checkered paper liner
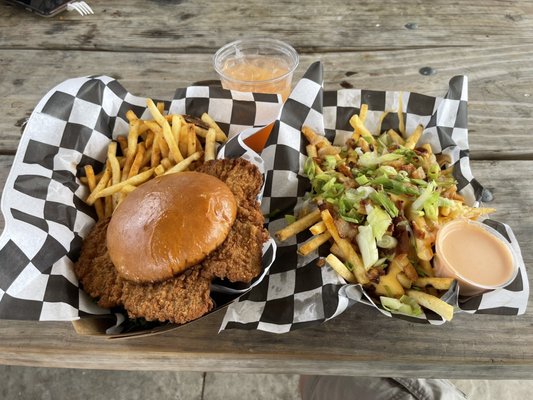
<point>46,218</point>
<point>296,293</point>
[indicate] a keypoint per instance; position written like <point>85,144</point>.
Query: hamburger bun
<point>169,224</point>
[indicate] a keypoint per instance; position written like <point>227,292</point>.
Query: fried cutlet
<point>95,269</point>
<point>239,259</point>
<point>242,177</point>
<point>177,300</point>
<point>186,296</point>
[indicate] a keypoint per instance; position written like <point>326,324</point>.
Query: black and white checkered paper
<point>296,293</point>
<point>46,218</point>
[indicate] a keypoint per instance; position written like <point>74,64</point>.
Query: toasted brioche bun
<point>169,224</point>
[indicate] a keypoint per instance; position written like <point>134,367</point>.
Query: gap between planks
<point>210,51</point>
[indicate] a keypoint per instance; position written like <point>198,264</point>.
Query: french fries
<point>314,243</point>
<point>340,268</point>
<point>210,143</point>
<point>299,225</point>
<point>165,144</point>
<point>91,182</point>
<point>433,303</point>
<point>346,247</point>
<point>380,200</point>
<point>220,135</point>
<point>437,283</point>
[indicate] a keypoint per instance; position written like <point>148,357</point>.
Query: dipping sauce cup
<point>257,65</point>
<point>476,255</point>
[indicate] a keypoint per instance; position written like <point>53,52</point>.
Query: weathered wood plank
<point>500,79</point>
<point>369,345</point>
<point>359,342</point>
<point>187,26</point>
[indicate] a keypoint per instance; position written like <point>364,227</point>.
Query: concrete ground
<point>71,384</point>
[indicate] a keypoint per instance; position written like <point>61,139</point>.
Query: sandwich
<point>165,243</point>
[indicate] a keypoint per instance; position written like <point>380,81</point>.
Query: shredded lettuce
<point>367,246</point>
<point>387,170</point>
<point>310,168</point>
<point>330,162</point>
<point>394,186</point>
<point>444,202</point>
<point>365,191</point>
<point>383,200</point>
<point>379,220</point>
<point>371,159</point>
<point>326,185</point>
<point>404,304</point>
<point>419,182</point>
<point>387,242</point>
<point>362,179</point>
<point>406,153</point>
<point>428,201</point>
<point>348,204</point>
<point>404,175</point>
<point>431,206</point>
<point>290,219</point>
<point>433,171</point>
<point>418,204</point>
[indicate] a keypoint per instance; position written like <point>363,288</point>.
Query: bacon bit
<point>402,235</point>
<point>343,169</point>
<point>373,274</point>
<point>420,151</point>
<point>347,182</point>
<point>323,206</point>
<point>409,168</point>
<point>398,164</point>
<point>351,143</point>
<point>418,173</point>
<point>346,229</point>
<point>393,147</point>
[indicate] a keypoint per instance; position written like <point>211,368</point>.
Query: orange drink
<point>257,65</point>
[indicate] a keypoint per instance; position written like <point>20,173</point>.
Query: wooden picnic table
<point>154,47</point>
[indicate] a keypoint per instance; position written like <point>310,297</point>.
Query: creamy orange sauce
<point>476,255</point>
<point>254,73</point>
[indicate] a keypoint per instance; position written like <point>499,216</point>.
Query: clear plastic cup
<point>460,254</point>
<point>257,65</point>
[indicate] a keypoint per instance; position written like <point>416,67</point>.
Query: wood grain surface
<point>154,47</point>
<point>500,102</point>
<point>197,27</point>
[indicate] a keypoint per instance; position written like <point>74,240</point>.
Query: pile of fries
<point>378,202</point>
<point>165,144</point>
